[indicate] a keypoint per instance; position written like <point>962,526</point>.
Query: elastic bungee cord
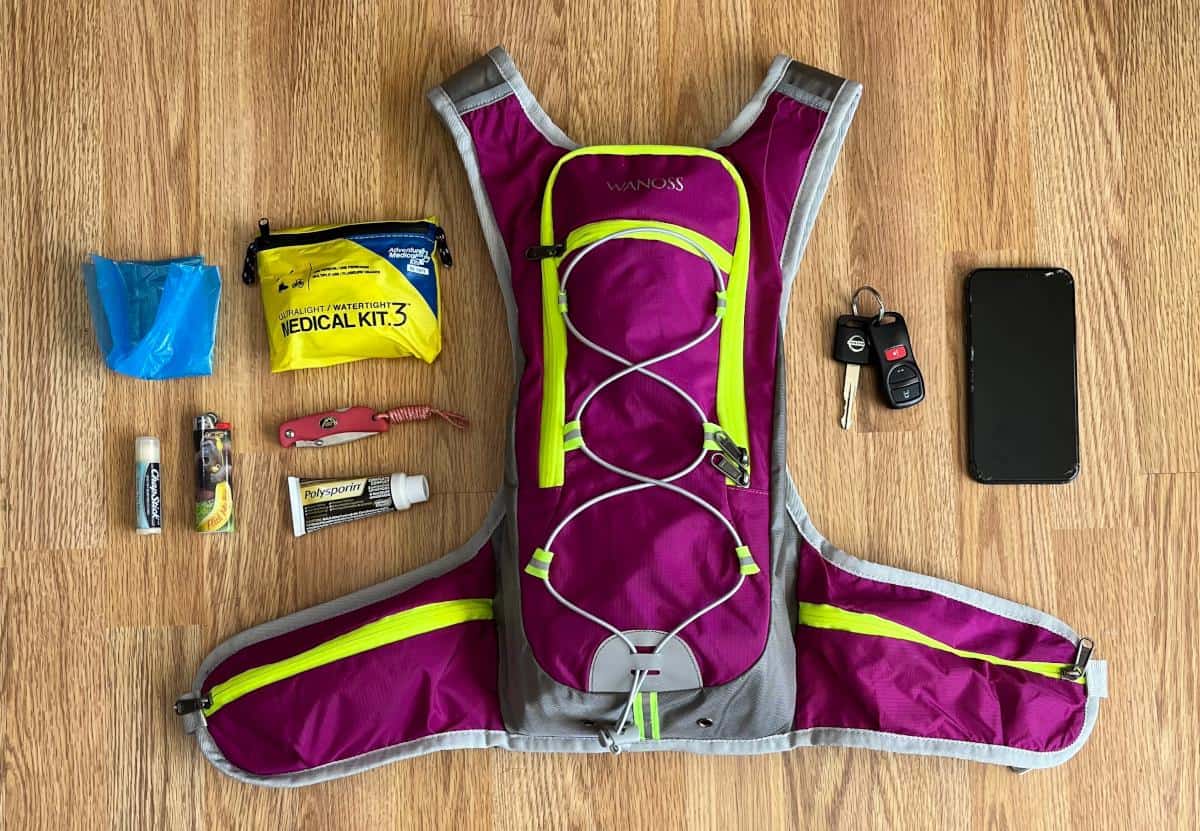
<point>610,738</point>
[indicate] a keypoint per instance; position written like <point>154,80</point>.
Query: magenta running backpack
<point>647,577</point>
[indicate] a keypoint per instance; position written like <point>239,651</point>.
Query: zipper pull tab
<point>731,450</point>
<point>250,264</point>
<point>732,470</point>
<point>443,247</point>
<point>545,252</point>
<point>1083,654</point>
<point>189,704</point>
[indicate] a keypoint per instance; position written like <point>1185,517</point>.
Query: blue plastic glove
<point>154,320</point>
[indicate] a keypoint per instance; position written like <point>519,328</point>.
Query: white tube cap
<point>408,490</point>
<point>297,506</point>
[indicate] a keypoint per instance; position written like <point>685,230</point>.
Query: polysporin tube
<point>320,503</point>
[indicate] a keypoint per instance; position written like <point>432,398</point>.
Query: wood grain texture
<point>990,133</point>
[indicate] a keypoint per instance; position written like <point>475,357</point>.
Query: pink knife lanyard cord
<point>421,412</point>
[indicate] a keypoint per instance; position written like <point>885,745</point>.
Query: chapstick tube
<point>147,484</point>
<point>320,503</point>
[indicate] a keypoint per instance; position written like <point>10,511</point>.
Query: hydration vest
<point>647,577</point>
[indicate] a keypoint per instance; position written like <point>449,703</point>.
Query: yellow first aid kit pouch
<point>339,293</point>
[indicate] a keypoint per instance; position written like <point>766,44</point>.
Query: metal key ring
<point>878,299</point>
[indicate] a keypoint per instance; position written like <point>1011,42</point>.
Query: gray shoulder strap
<point>790,151</point>
<point>494,77</point>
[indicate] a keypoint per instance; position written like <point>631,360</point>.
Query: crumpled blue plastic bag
<point>154,320</point>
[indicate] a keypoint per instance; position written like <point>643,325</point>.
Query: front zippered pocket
<point>555,443</point>
<point>307,236</point>
<point>731,397</point>
<point>387,630</point>
<point>835,618</point>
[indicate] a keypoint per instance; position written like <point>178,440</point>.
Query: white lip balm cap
<point>408,490</point>
<point>146,450</point>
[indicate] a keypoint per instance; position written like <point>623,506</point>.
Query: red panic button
<point>895,353</point>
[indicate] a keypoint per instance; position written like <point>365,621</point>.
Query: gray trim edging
<point>813,186</point>
<point>487,219</point>
<point>1013,757</point>
<point>750,112</point>
<point>793,740</point>
<point>899,577</point>
<point>552,132</point>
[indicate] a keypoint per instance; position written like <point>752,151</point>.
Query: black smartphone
<point>1023,419</point>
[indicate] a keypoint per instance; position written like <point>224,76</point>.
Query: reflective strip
<point>387,630</point>
<point>711,430</point>
<point>572,436</point>
<point>539,573</point>
<point>824,616</point>
<point>638,718</point>
<point>654,731</point>
<point>731,387</point>
<point>539,564</point>
<point>746,560</point>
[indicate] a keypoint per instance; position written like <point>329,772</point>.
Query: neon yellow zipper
<point>823,616</point>
<point>386,630</point>
<point>731,394</point>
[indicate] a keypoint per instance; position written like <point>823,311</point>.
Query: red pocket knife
<point>353,423</point>
<point>333,427</point>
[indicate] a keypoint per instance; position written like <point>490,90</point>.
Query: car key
<point>899,377</point>
<point>852,347</point>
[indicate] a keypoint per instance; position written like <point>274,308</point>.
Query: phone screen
<point>1023,420</point>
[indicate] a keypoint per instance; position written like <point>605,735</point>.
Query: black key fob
<point>852,341</point>
<point>899,376</point>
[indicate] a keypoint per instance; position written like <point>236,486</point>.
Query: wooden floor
<point>990,133</point>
